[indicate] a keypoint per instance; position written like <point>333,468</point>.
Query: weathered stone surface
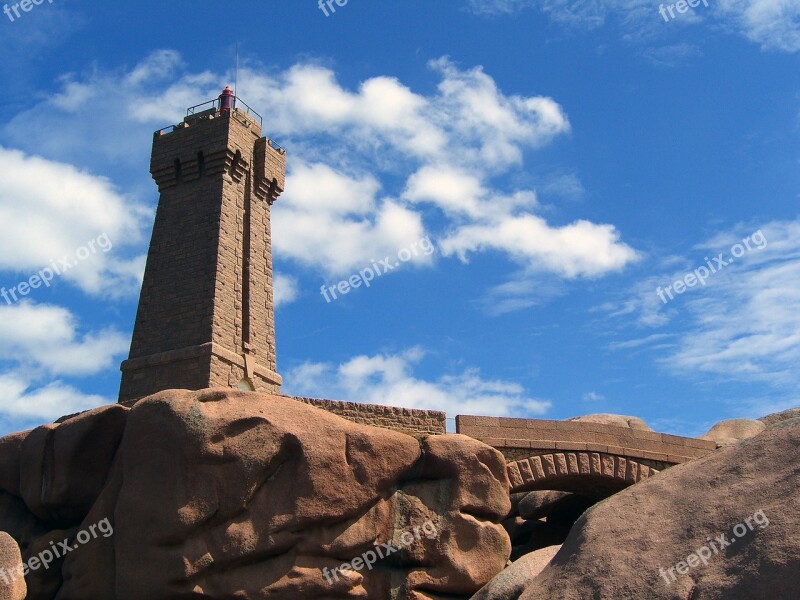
<point>537,534</point>
<point>775,418</point>
<point>10,450</point>
<point>63,466</point>
<point>509,584</point>
<point>50,477</point>
<point>221,493</point>
<point>536,505</point>
<point>473,502</point>
<point>516,498</point>
<point>616,420</point>
<point>732,431</point>
<point>45,581</point>
<point>529,533</point>
<point>620,547</point>
<point>12,583</point>
<point>19,522</point>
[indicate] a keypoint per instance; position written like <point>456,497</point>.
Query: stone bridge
<point>590,458</point>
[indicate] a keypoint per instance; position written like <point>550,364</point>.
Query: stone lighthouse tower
<point>206,310</point>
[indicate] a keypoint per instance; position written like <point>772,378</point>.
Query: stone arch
<point>587,473</point>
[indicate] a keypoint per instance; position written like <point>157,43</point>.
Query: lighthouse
<point>206,310</point>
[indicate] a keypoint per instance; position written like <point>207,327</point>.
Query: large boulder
<point>559,506</point>
<point>722,527</point>
<point>50,478</point>
<point>615,420</point>
<point>64,466</point>
<point>509,584</point>
<point>221,494</point>
<point>779,417</point>
<point>732,431</point>
<point>12,582</point>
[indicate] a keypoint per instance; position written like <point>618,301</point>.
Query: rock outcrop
<point>616,420</point>
<point>509,584</point>
<point>12,583</point>
<point>221,494</point>
<point>779,417</point>
<point>721,527</point>
<point>542,518</point>
<point>732,431</point>
<point>541,504</point>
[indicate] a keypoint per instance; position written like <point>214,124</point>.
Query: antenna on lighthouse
<point>236,71</point>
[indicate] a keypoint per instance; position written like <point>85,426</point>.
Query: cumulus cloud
<point>446,148</point>
<point>488,128</point>
<point>21,402</point>
<point>57,209</point>
<point>389,379</point>
<point>338,223</point>
<point>580,249</point>
<point>287,289</point>
<point>455,191</point>
<point>45,338</point>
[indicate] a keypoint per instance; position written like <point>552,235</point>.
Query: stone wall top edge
<point>397,410</point>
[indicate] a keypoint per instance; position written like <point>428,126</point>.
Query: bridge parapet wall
<point>518,438</point>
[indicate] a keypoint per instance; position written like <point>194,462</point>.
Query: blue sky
<point>565,160</point>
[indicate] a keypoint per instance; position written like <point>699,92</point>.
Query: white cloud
<point>491,7</point>
<point>46,338</point>
<point>566,185</point>
<point>454,190</point>
<point>287,289</point>
<point>673,54</point>
<point>580,249</point>
<point>488,129</point>
<point>743,325</point>
<point>389,379</point>
<point>124,112</point>
<point>335,216</point>
<point>20,401</point>
<point>487,221</point>
<point>469,117</point>
<point>593,397</point>
<point>587,14</point>
<point>57,209</point>
<point>660,338</point>
<point>41,343</point>
<point>336,222</point>
<point>522,290</point>
<point>773,24</point>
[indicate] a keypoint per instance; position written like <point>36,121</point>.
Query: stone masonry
<point>206,310</point>
<point>406,420</point>
<point>521,438</point>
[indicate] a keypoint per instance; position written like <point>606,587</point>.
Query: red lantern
<point>226,100</point>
